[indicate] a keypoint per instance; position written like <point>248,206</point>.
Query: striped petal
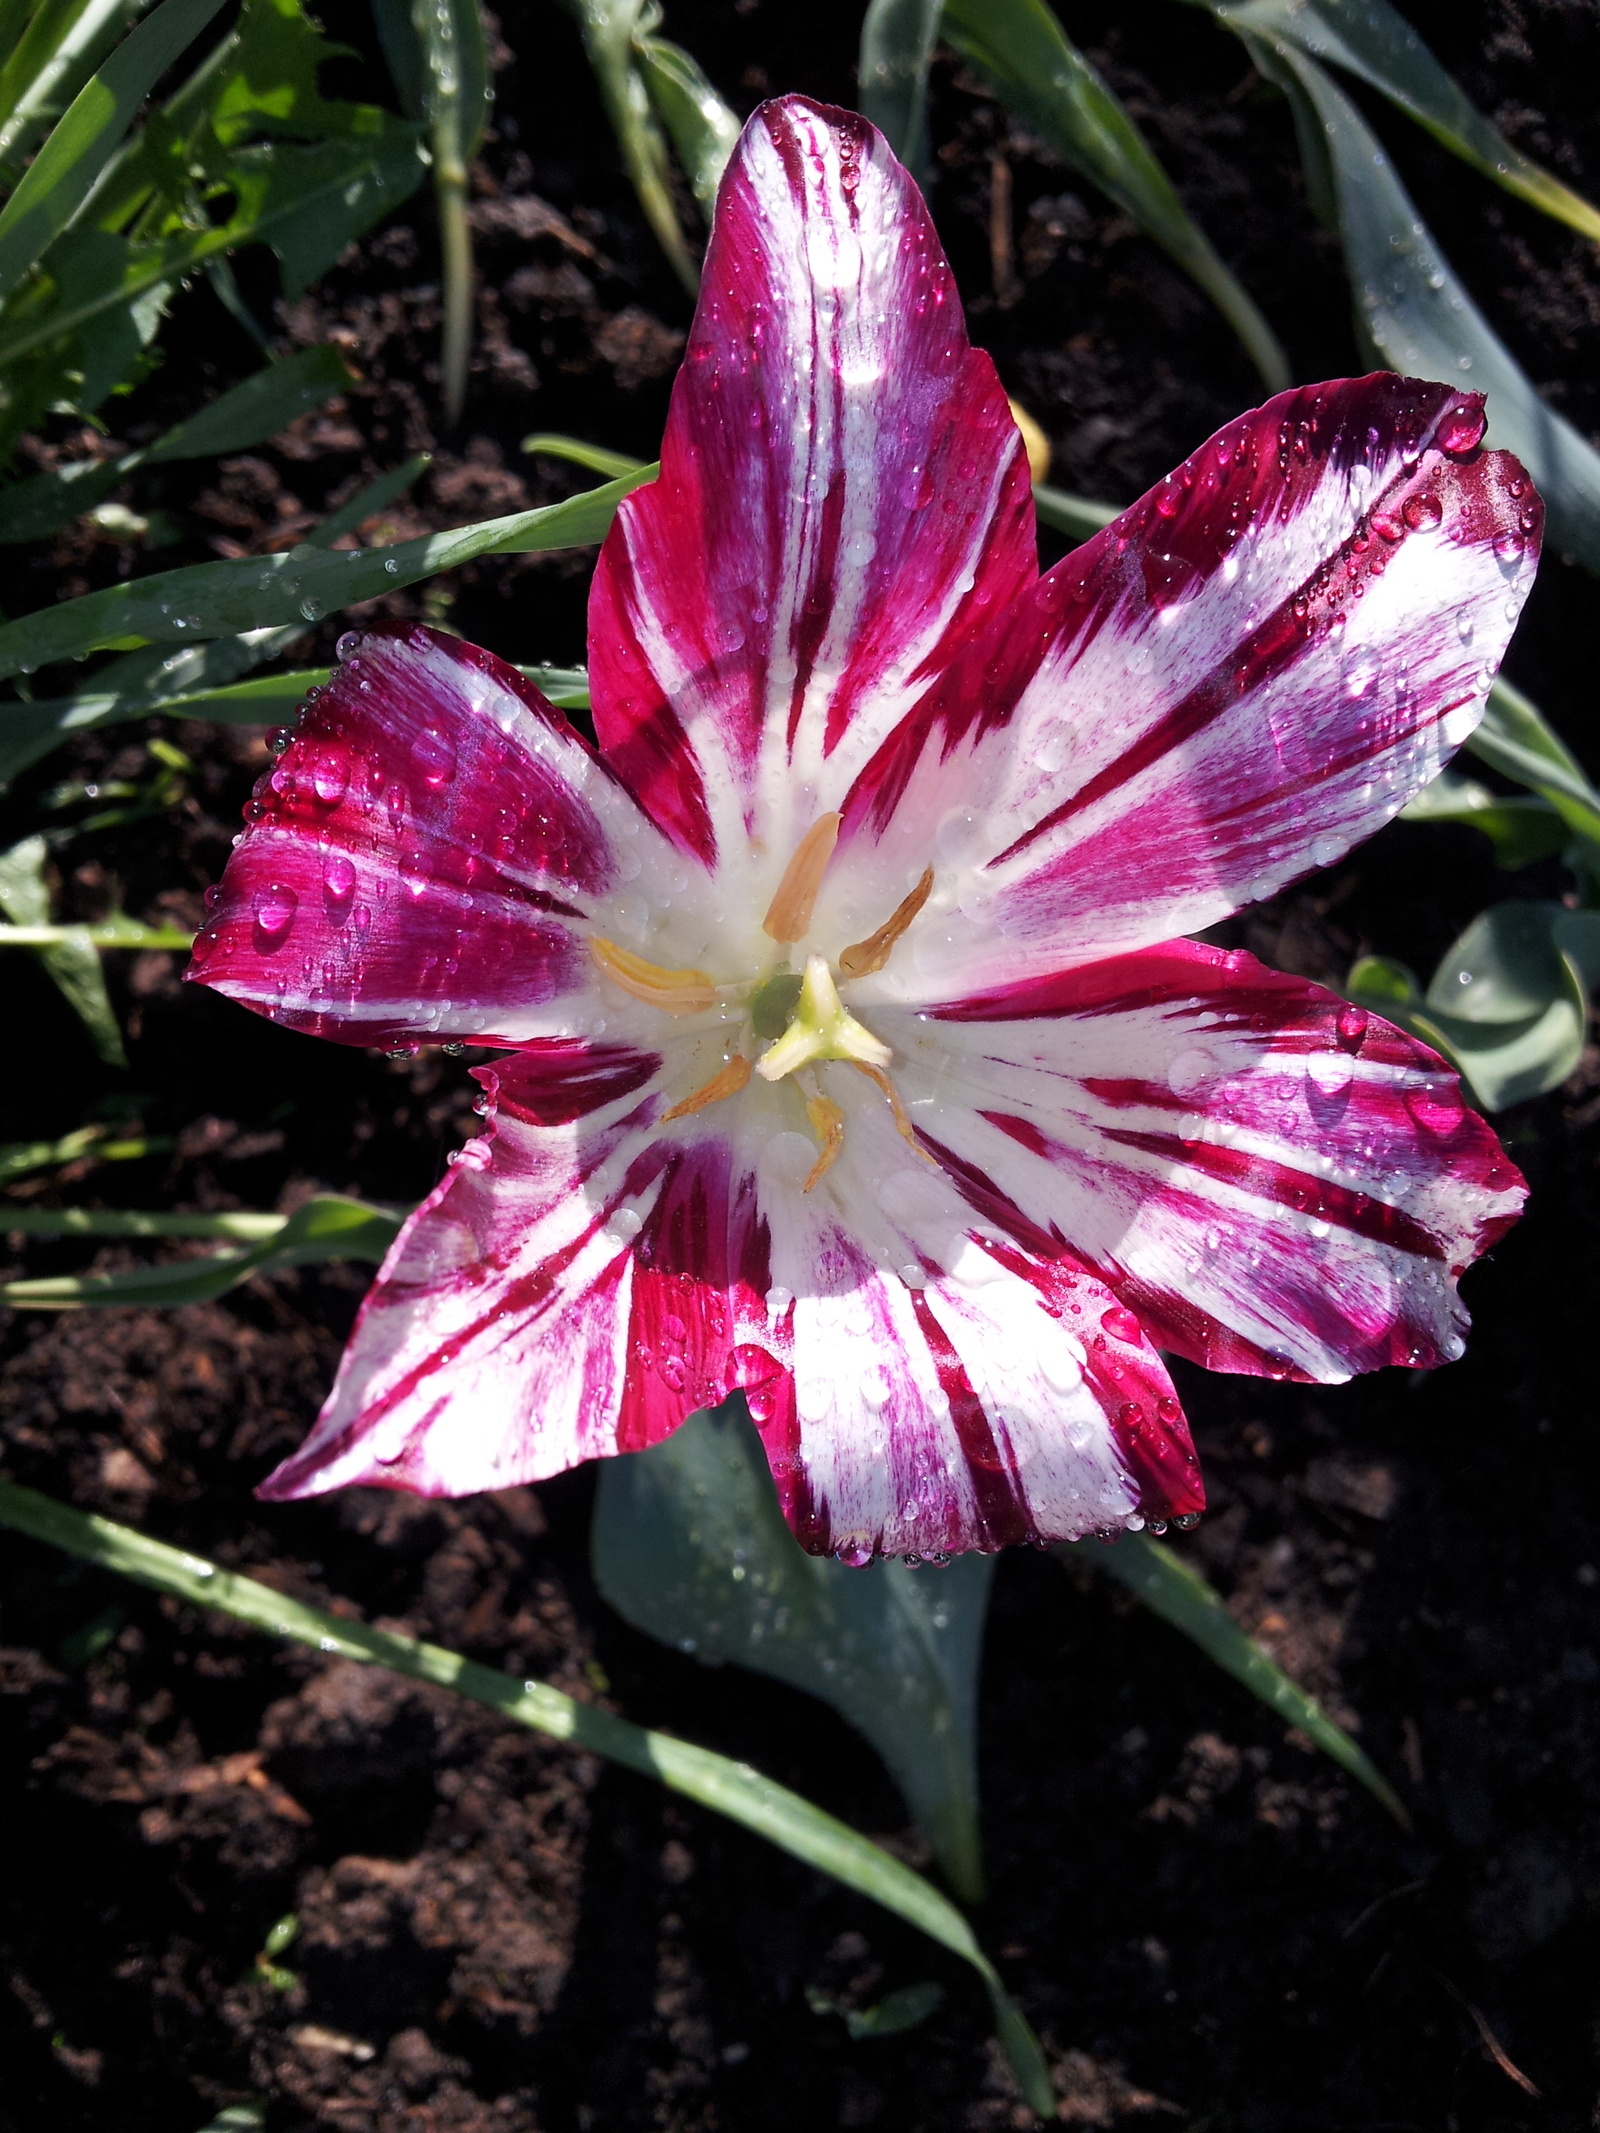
<point>424,857</point>
<point>843,500</point>
<point>561,1295</point>
<point>1274,1181</point>
<point>1249,671</point>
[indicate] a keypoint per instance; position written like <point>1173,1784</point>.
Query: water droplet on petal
<point>435,755</point>
<point>274,908</point>
<point>1351,1026</point>
<point>1422,511</point>
<point>1122,1325</point>
<point>1461,430</point>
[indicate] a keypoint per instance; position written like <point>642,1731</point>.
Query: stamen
<point>675,992</point>
<point>827,1123</point>
<point>907,1131</point>
<point>872,953</point>
<point>789,914</point>
<point>728,1082</point>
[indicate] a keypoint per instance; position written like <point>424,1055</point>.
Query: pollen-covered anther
<point>827,1123</point>
<point>864,957</point>
<point>732,1078</point>
<point>903,1125</point>
<point>675,992</point>
<point>788,916</point>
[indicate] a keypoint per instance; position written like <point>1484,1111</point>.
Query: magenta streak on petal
<point>843,498</point>
<point>678,1336</point>
<point>560,1079</point>
<point>414,865</point>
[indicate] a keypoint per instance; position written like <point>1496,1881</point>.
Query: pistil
<point>822,1027</point>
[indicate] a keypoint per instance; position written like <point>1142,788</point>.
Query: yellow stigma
<point>822,1027</point>
<point>675,992</point>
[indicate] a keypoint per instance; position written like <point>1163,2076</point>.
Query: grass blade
<point>87,1144</point>
<point>328,1227</point>
<point>1418,316</point>
<point>65,951</point>
<point>1022,51</point>
<point>702,127</point>
<point>609,28</point>
<point>1170,1588</point>
<point>45,66</point>
<point>897,41</point>
<point>219,599</point>
<point>1370,39</point>
<point>252,412</point>
<point>88,134</point>
<point>732,1789</point>
<point>1074,516</point>
<point>613,465</point>
<point>1515,738</point>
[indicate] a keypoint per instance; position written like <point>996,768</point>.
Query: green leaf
<point>72,963</point>
<point>439,57</point>
<point>19,1159</point>
<point>1515,738</point>
<point>896,2012</point>
<point>218,599</point>
<point>1506,1006</point>
<point>259,408</point>
<point>63,173</point>
<point>43,69</point>
<point>704,130</point>
<point>728,1788</point>
<point>689,1545</point>
<point>897,41</point>
<point>1521,830</point>
<point>1021,49</point>
<point>1370,39</point>
<point>609,29</point>
<point>1420,319</point>
<point>328,1227</point>
<point>1074,516</point>
<point>593,456</point>
<point>1177,1592</point>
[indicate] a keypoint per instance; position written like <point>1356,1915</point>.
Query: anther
<point>675,992</point>
<point>789,914</point>
<point>872,953</point>
<point>827,1123</point>
<point>733,1077</point>
<point>903,1125</point>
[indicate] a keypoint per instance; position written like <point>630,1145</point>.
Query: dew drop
<point>1191,1069</point>
<point>338,884</point>
<point>330,775</point>
<point>1508,547</point>
<point>1351,1026</point>
<point>348,645</point>
<point>435,755</point>
<point>1462,429</point>
<point>1122,1325</point>
<point>1422,511</point>
<point>1359,670</point>
<point>854,1552</point>
<point>274,909</point>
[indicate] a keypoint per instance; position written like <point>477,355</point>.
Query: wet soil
<point>1207,1924</point>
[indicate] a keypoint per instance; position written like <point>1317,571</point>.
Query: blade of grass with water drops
<point>897,41</point>
<point>1419,318</point>
<point>66,953</point>
<point>728,1788</point>
<point>1022,51</point>
<point>1372,40</point>
<point>1171,1588</point>
<point>703,128</point>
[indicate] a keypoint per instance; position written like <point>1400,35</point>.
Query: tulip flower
<point>859,1048</point>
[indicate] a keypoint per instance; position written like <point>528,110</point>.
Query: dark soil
<point>1204,1920</point>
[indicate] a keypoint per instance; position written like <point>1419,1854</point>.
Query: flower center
<point>798,1016</point>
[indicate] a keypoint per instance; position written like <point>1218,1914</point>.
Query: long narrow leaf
<point>1021,49</point>
<point>1419,317</point>
<point>728,1788</point>
<point>897,41</point>
<point>1170,1588</point>
<point>259,408</point>
<point>1371,39</point>
<point>87,1144</point>
<point>55,55</point>
<point>328,1227</point>
<point>1074,516</point>
<point>219,599</point>
<point>613,465</point>
<point>1515,738</point>
<point>703,128</point>
<point>609,28</point>
<point>65,951</point>
<point>63,173</point>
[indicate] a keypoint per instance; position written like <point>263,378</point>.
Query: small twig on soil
<point>1491,2043</point>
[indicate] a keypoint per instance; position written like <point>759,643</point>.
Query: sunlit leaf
<point>219,599</point>
<point>325,1228</point>
<point>73,964</point>
<point>88,134</point>
<point>252,412</point>
<point>1074,516</point>
<point>88,1144</point>
<point>726,1787</point>
<point>703,128</point>
<point>1521,829</point>
<point>42,69</point>
<point>609,29</point>
<point>1507,1005</point>
<point>1515,738</point>
<point>689,1545</point>
<point>1418,316</point>
<point>598,460</point>
<point>1022,51</point>
<point>1175,1590</point>
<point>1371,39</point>
<point>897,41</point>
